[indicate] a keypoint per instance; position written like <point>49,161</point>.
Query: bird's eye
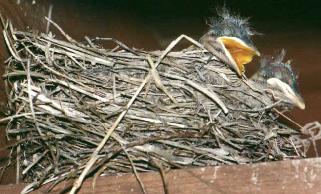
<point>211,33</point>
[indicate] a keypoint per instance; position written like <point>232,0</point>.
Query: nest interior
<point>130,110</point>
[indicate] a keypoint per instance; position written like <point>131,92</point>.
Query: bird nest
<point>77,109</point>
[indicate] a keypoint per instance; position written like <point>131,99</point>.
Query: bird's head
<point>234,35</point>
<point>280,78</point>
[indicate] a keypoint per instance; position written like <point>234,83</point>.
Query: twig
<point>158,165</point>
<point>288,118</point>
<point>30,99</point>
<point>208,93</point>
<point>61,30</point>
<point>122,45</point>
<point>20,115</point>
<point>158,81</point>
<point>134,169</point>
<point>34,162</point>
<point>49,18</point>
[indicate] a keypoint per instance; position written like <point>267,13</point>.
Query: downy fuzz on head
<point>279,76</point>
<point>232,25</point>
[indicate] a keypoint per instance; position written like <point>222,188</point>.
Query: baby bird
<point>232,35</point>
<point>279,78</point>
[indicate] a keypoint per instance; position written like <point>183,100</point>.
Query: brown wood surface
<point>293,176</point>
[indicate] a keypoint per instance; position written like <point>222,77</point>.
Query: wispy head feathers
<point>274,60</point>
<point>275,67</point>
<point>227,24</point>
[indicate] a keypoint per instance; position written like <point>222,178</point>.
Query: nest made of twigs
<point>78,109</point>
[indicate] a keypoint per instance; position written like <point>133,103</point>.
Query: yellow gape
<point>238,51</point>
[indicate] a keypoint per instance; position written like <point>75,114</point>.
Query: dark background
<point>152,25</point>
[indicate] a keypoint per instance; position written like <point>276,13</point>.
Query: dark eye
<point>211,33</point>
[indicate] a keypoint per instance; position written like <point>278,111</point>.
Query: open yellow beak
<point>238,52</point>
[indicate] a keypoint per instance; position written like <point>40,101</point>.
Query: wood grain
<point>295,177</point>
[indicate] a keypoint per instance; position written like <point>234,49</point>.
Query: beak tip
<point>300,103</point>
<point>302,106</point>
